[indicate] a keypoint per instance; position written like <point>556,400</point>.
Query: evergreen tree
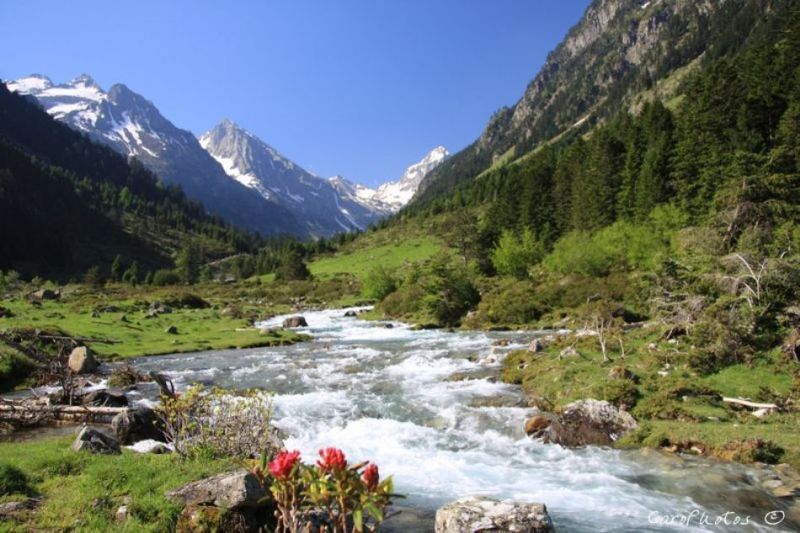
<point>116,268</point>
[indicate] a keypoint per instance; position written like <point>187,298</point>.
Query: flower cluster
<point>281,467</point>
<point>332,460</point>
<point>354,497</point>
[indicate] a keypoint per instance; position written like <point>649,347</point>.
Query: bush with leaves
<point>165,277</point>
<point>350,498</point>
<point>379,283</point>
<point>516,253</point>
<point>219,423</point>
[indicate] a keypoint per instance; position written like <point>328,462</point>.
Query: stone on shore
<point>94,440</point>
<point>136,425</point>
<point>588,422</point>
<point>236,489</point>
<point>82,361</point>
<point>481,514</point>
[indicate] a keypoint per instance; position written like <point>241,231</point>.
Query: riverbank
<point>120,322</point>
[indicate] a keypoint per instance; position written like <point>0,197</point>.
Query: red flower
<point>332,460</point>
<point>281,467</point>
<point>371,476</point>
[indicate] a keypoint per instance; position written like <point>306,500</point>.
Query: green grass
<point>678,407</point>
<point>82,492</point>
<point>135,334</point>
<point>391,256</point>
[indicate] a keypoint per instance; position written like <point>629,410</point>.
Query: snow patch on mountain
<point>398,193</point>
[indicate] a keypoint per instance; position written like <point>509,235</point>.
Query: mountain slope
<point>133,126</point>
<point>618,52</point>
<point>67,203</point>
<point>325,207</point>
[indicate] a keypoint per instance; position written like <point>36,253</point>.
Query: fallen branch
<point>32,413</point>
<point>751,405</point>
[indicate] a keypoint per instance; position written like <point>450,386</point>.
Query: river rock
<point>295,322</point>
<point>588,422</point>
<point>480,514</point>
<point>535,424</point>
<point>137,424</point>
<point>95,441</point>
<point>536,346</point>
<point>236,489</point>
<point>350,313</point>
<point>105,398</point>
<point>82,361</point>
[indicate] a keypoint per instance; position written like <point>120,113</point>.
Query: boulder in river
<point>82,361</point>
<point>536,424</point>
<point>95,441</point>
<point>230,490</point>
<point>474,514</point>
<point>105,398</point>
<point>350,313</point>
<point>588,422</point>
<point>137,424</point>
<point>295,322</point>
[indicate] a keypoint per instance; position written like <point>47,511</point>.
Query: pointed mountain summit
<point>316,202</point>
<point>133,126</point>
<point>399,193</point>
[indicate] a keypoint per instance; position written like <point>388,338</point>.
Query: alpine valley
<point>587,318</point>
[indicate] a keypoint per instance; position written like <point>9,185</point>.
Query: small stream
<point>382,394</point>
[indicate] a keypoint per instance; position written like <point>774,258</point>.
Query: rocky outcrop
<point>94,440</point>
<point>229,490</point>
<point>480,514</point>
<point>295,322</point>
<point>82,361</point>
<point>587,422</point>
<point>137,424</point>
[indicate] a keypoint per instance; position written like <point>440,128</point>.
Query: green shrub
<point>292,267</point>
<point>14,368</point>
<point>515,254</point>
<point>13,480</point>
<point>378,284</point>
<point>620,392</point>
<point>165,277</point>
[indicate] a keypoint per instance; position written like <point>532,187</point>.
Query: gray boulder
<point>480,514</point>
<point>137,424</point>
<point>82,361</point>
<point>588,422</point>
<point>105,398</point>
<point>94,440</point>
<point>295,322</point>
<point>230,490</point>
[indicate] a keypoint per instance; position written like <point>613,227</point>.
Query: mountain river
<point>383,394</point>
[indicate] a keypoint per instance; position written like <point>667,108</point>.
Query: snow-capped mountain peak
<point>132,125</point>
<point>399,193</point>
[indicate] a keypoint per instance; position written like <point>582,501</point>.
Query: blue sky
<point>360,88</point>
